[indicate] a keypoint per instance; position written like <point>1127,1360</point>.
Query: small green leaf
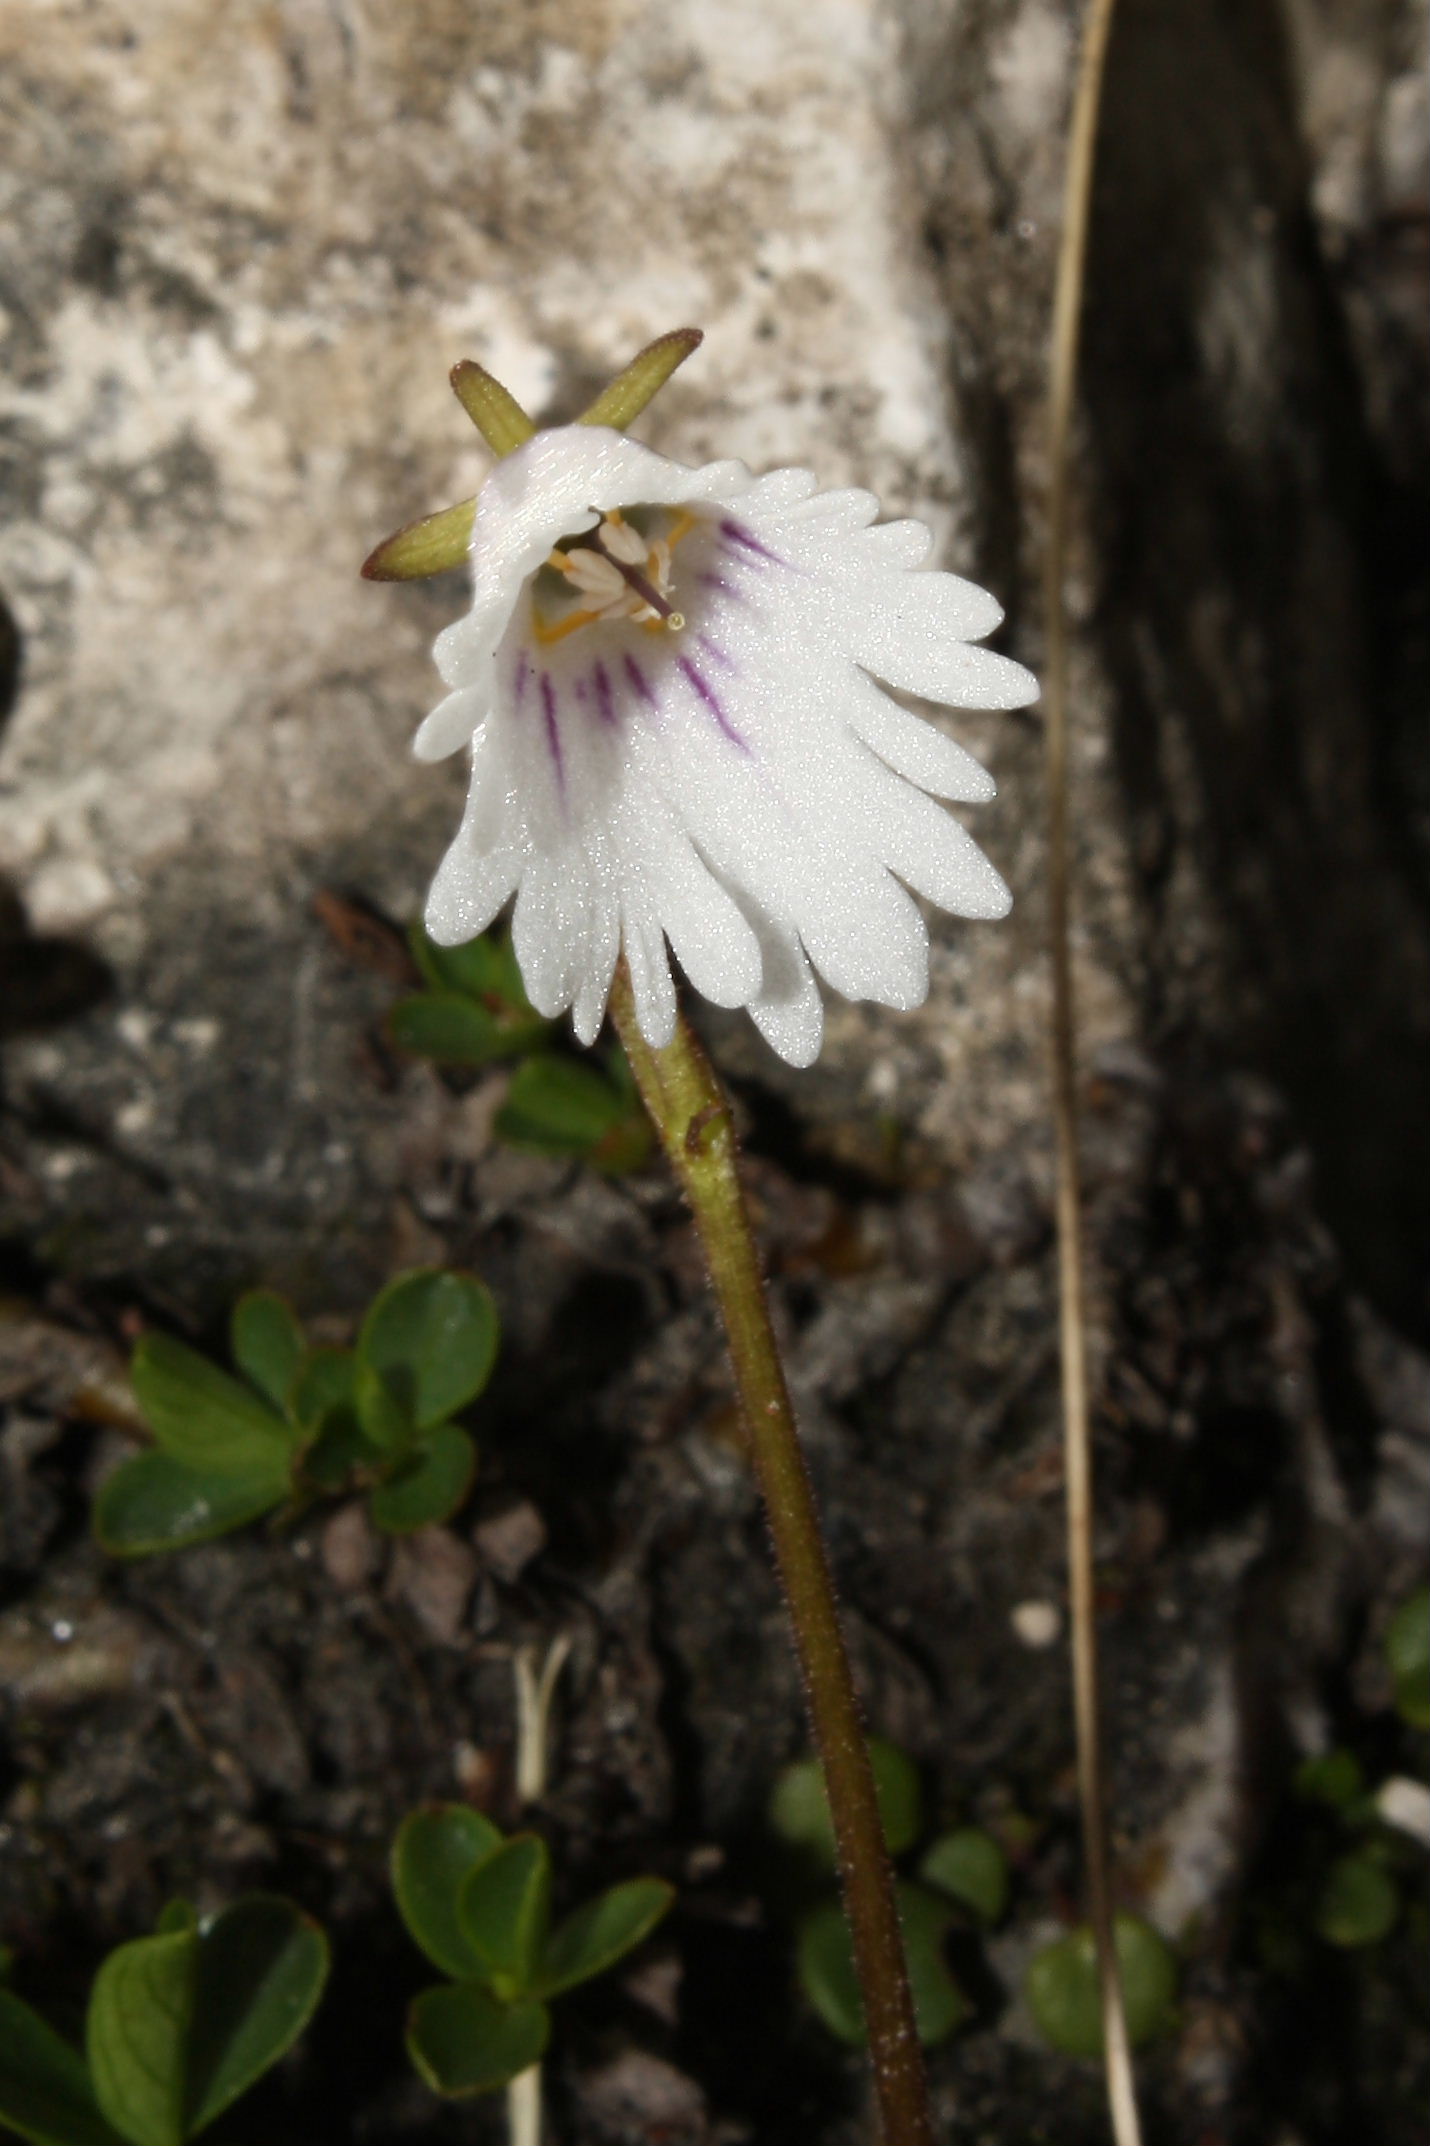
<point>799,1807</point>
<point>601,1932</point>
<point>324,1405</point>
<point>559,1108</point>
<point>325,1386</point>
<point>435,1850</point>
<point>154,1503</point>
<point>136,2033</point>
<point>339,1451</point>
<point>433,1336</point>
<point>473,970</point>
<point>1332,1777</point>
<point>455,1031</point>
<point>971,1868</point>
<point>201,1415</point>
<point>261,1969</point>
<point>1407,1650</point>
<point>1359,1902</point>
<point>383,1418</point>
<point>484,973</point>
<point>1063,1993</point>
<point>826,1967</point>
<point>268,1343</point>
<point>505,1910</point>
<point>429,1485</point>
<point>449,1030</point>
<point>44,2086</point>
<point>463,2040</point>
<point>176,1915</point>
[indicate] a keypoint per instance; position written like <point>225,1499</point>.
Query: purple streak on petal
<point>723,583</point>
<point>641,683</point>
<point>605,700</point>
<point>522,678</point>
<point>741,536</point>
<point>553,734</point>
<point>717,654</point>
<point>707,693</point>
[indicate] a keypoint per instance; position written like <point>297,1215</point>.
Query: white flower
<point>668,683</point>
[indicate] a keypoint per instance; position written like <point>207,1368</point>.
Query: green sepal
<point>493,409</point>
<point>622,402</point>
<point>432,545</point>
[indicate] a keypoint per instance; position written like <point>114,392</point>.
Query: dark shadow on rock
<point>1252,617</point>
<point>44,981</point>
<point>9,662</point>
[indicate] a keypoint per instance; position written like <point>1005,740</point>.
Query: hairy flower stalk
<point>673,685</point>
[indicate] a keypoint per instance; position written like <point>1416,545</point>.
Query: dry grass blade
<point>1067,307</point>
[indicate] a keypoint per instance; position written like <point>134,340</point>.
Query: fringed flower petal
<point>673,684</point>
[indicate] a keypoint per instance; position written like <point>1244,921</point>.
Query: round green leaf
<point>1065,2000</point>
<point>433,1337</point>
<point>1333,1777</point>
<point>1407,1650</point>
<point>201,1415</point>
<point>1359,1902</point>
<point>799,1807</point>
<point>971,1868</point>
<point>136,2034</point>
<point>558,1107</point>
<point>825,1959</point>
<point>261,1969</point>
<point>268,1343</point>
<point>155,1502</point>
<point>383,1418</point>
<point>601,1932</point>
<point>505,1910</point>
<point>44,2086</point>
<point>427,1487</point>
<point>463,2040</point>
<point>435,1850</point>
